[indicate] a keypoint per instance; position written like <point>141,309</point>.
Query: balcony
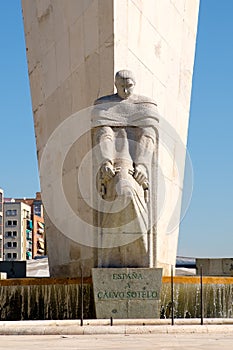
<point>29,225</point>
<point>40,227</point>
<point>40,231</point>
<point>28,255</point>
<point>40,246</point>
<point>29,244</point>
<point>29,234</point>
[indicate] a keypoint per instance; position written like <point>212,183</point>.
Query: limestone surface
<point>73,50</point>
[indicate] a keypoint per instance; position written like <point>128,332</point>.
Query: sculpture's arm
<point>104,139</point>
<point>144,154</point>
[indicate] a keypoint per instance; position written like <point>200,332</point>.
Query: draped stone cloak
<point>125,133</point>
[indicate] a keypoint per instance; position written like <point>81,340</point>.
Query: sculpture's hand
<point>140,174</point>
<point>107,171</point>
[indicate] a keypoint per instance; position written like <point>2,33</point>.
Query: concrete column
<point>74,48</point>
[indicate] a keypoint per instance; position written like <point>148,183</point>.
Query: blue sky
<point>207,229</point>
<point>18,170</point>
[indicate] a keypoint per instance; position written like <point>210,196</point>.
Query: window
<point>11,223</point>
<point>8,255</point>
<point>11,212</point>
<point>11,234</point>
<point>37,208</point>
<point>11,244</point>
<point>14,255</point>
<point>27,215</point>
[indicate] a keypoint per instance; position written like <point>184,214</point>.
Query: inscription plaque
<point>127,292</point>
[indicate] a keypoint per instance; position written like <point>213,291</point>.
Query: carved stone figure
<point>125,141</point>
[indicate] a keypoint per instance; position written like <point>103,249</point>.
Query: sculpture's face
<point>125,87</point>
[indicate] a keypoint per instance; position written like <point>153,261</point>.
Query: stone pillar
<point>74,48</point>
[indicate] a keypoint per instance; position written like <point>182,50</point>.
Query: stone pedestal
<point>73,50</point>
<point>215,267</point>
<point>127,293</point>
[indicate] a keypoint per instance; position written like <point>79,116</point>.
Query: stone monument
<point>73,49</point>
<point>125,140</point>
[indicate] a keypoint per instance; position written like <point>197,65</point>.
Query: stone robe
<point>125,133</point>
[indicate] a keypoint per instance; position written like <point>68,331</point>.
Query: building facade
<point>38,231</point>
<point>1,224</point>
<point>24,233</point>
<point>38,244</point>
<point>17,231</point>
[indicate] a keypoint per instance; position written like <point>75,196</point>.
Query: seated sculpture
<point>124,133</point>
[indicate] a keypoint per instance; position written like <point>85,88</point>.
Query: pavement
<point>187,341</point>
<point>129,326</point>
<point>135,334</point>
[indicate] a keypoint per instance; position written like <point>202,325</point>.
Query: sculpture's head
<point>125,82</point>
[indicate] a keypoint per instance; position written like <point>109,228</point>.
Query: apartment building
<point>17,230</point>
<point>38,237</point>
<point>38,231</point>
<point>1,224</point>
